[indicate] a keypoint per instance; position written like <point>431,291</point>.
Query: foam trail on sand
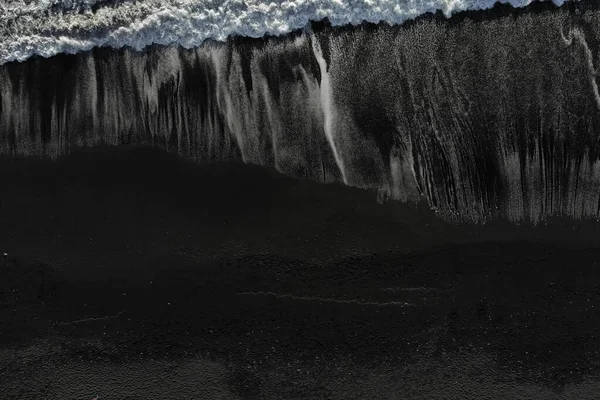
<point>327,105</point>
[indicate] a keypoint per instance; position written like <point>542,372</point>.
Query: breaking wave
<point>50,27</point>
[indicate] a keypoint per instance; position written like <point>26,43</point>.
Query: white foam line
<point>406,289</point>
<point>592,72</point>
<point>328,300</point>
<point>90,319</point>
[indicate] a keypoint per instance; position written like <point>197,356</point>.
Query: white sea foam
<point>49,27</point>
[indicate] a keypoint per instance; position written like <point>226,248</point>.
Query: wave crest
<point>49,27</point>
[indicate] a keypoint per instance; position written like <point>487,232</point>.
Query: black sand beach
<point>233,281</point>
<point>369,212</point>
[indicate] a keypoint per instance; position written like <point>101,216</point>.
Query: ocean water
<point>50,27</point>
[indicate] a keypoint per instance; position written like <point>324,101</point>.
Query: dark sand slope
<point>232,281</point>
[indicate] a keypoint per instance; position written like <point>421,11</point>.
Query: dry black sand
<point>132,274</point>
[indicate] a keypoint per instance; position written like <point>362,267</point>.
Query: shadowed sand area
<point>132,272</point>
